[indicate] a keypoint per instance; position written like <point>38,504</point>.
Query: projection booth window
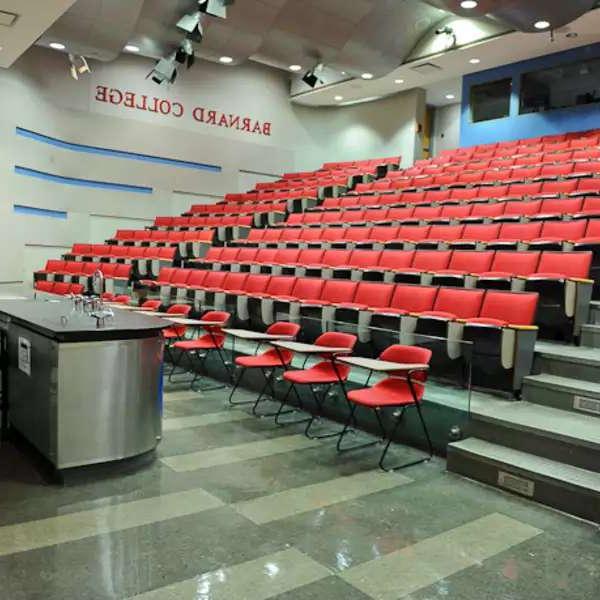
<point>490,100</point>
<point>568,85</point>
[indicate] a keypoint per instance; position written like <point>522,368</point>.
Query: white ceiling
<point>34,17</point>
<point>505,49</point>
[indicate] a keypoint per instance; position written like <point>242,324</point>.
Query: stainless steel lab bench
<point>82,394</point>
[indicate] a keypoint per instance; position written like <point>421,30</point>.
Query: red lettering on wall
<point>115,96</point>
<point>129,100</point>
<point>165,107</point>
<point>101,92</point>
<point>198,114</point>
<point>177,109</point>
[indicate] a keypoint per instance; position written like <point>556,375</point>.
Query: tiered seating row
<point>501,320</point>
<point>510,210</point>
<point>491,236</point>
<point>58,288</point>
<point>500,193</point>
<point>479,178</point>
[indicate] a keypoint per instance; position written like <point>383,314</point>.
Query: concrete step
<point>564,393</point>
<point>559,435</point>
<point>595,312</point>
<point>567,488</point>
<point>590,336</point>
<point>567,361</point>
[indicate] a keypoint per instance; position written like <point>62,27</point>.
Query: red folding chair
<point>268,362</point>
<point>175,333</point>
<point>326,373</point>
<point>401,390</point>
<point>201,347</point>
<point>150,305</point>
<point>122,299</point>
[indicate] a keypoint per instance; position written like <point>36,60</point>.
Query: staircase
<point>547,446</point>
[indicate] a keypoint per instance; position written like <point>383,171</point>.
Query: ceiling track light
<point>164,71</point>
<point>310,78</point>
<point>192,25</point>
<point>79,66</point>
<point>184,55</point>
<point>215,8</point>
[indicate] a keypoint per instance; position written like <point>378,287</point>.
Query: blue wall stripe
<point>39,212</point>
<point>106,185</point>
<point>173,162</point>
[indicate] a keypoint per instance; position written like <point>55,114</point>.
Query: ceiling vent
<point>7,19</point>
<point>426,68</point>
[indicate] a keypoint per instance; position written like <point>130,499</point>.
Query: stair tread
<point>568,352</point>
<point>565,382</point>
<point>566,425</point>
<point>530,462</point>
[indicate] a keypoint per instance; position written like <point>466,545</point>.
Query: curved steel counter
<point>80,394</point>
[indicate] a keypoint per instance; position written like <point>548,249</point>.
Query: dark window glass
<point>568,85</point>
<point>490,100</point>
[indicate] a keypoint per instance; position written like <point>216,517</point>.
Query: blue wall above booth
<point>517,126</point>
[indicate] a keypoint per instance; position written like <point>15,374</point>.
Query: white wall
<point>446,128</point>
<point>38,94</point>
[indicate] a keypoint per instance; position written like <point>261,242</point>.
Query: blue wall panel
<point>106,185</point>
<point>21,209</point>
<point>172,162</point>
<point>516,126</point>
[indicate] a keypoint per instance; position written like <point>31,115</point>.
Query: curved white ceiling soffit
<point>523,14</point>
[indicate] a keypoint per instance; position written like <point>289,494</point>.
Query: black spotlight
<point>185,53</point>
<point>310,79</point>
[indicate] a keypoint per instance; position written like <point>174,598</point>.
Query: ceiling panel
<point>34,17</point>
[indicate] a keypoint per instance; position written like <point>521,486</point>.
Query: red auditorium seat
<point>506,266</point>
<point>462,264</point>
<point>400,390</point>
<point>503,339</point>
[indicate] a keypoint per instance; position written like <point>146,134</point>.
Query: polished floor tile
<point>401,573</point>
<point>319,495</point>
<point>178,423</point>
<point>108,536</point>
<point>74,526</point>
<point>241,452</point>
<point>257,579</point>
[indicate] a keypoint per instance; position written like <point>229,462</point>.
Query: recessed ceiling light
<point>541,24</point>
<point>398,81</point>
<point>132,48</point>
<point>338,98</point>
<point>57,46</point>
<point>295,68</point>
<point>475,61</point>
<point>367,75</point>
<point>226,60</point>
<point>468,4</point>
<point>572,34</point>
<point>450,96</point>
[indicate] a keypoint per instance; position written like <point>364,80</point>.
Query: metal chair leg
<point>317,417</point>
<point>347,429</point>
<point>281,412</point>
<point>390,439</point>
